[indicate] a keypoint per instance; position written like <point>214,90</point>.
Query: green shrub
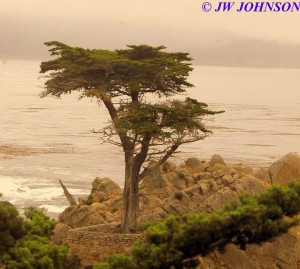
<point>117,261</point>
<point>12,226</point>
<point>34,250</point>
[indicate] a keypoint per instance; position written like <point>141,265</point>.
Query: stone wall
<point>92,244</point>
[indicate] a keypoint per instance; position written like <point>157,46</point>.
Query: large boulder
<point>106,186</point>
<point>216,158</point>
<point>249,184</point>
<point>158,183</point>
<point>285,169</point>
<point>195,165</point>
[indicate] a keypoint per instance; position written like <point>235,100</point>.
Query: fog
<point>178,24</point>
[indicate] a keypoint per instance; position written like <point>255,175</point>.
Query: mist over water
<point>44,140</point>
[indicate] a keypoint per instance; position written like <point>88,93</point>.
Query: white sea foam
<point>53,208</point>
<point>24,192</point>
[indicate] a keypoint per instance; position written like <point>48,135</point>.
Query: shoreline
<point>47,193</point>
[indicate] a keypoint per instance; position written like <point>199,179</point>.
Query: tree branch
<point>142,155</point>
<point>168,154</point>
<point>69,196</point>
<point>126,143</point>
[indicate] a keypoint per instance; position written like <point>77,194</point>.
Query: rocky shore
<point>193,186</point>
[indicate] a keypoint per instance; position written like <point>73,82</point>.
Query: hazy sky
<point>115,23</point>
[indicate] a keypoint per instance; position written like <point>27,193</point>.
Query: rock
<point>80,216</point>
<point>215,168</point>
<point>190,181</point>
<point>83,200</point>
<point>228,170</point>
<point>236,176</point>
<point>227,180</point>
<point>110,217</point>
<point>193,162</point>
<point>154,215</point>
<point>202,176</point>
<point>107,186</point>
<point>168,166</point>
<point>207,187</point>
<point>285,169</point>
<point>195,165</point>
<point>249,184</point>
<point>262,174</point>
<point>100,197</point>
<point>218,174</point>
<point>100,207</point>
<point>178,179</point>
<point>173,206</point>
<point>283,252</point>
<point>150,200</point>
<point>217,200</point>
<point>243,169</point>
<point>192,190</point>
<point>216,158</point>
<point>59,236</point>
<point>182,197</point>
<point>115,203</point>
<point>153,182</point>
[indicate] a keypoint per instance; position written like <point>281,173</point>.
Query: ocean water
<point>46,140</point>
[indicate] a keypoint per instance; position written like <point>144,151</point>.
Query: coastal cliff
<point>193,186</point>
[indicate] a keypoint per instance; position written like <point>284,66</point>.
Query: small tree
<point>123,81</point>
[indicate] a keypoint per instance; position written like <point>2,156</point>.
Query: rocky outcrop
<point>59,237</point>
<point>106,187</point>
<point>192,186</point>
<point>283,252</point>
<point>80,216</point>
<point>196,186</point>
<point>104,205</point>
<point>285,169</point>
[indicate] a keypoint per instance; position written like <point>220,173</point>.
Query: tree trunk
<point>131,202</point>
<point>133,165</point>
<point>130,197</point>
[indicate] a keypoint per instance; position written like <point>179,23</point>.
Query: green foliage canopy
<point>165,120</point>
<point>131,72</point>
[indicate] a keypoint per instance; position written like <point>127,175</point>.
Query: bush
<point>117,261</point>
<point>34,250</point>
<point>39,223</point>
<point>12,226</point>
